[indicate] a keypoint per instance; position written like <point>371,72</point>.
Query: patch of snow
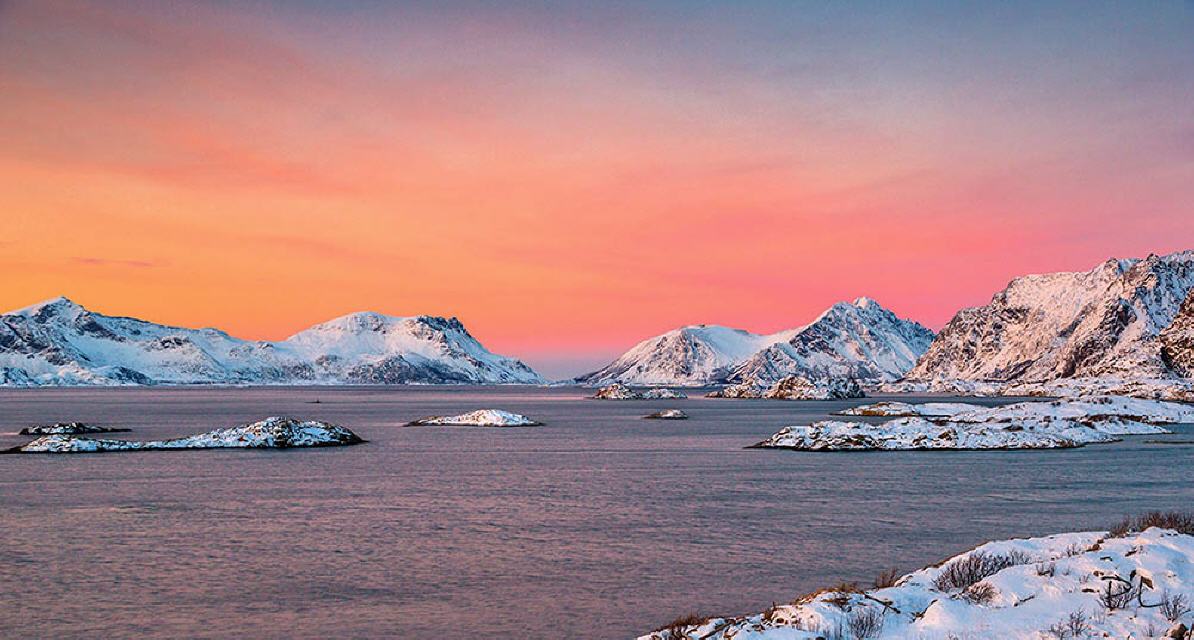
<point>667,414</point>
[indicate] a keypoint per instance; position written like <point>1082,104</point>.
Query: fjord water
<point>597,525</point>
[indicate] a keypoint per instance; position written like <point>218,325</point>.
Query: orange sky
<point>570,182</point>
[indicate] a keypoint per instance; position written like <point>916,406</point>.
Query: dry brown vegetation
<point>1182,522</point>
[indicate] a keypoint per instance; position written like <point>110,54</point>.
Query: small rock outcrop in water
<point>67,428</point>
<point>795,388</point>
<point>619,391</point>
<point>271,433</point>
<point>667,414</point>
<point>479,418</point>
<point>1071,585</point>
<point>1027,425</point>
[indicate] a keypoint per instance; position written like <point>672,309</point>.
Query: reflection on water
<point>600,522</point>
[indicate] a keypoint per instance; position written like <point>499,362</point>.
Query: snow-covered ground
<point>667,414</point>
<point>67,428</point>
<point>793,388</point>
<point>1024,425</point>
<point>619,391</point>
<point>1063,587</point>
<point>480,418</point>
<point>277,433</point>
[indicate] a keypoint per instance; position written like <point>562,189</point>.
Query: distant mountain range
<point>1123,319</point>
<point>58,342</point>
<point>1129,319</point>
<point>860,340</point>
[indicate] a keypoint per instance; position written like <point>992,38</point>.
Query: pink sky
<point>570,182</point>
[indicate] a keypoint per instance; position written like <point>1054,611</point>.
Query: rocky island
<point>1027,425</point>
<point>794,387</point>
<point>667,414</point>
<point>67,428</point>
<point>619,391</point>
<point>271,433</point>
<point>479,418</point>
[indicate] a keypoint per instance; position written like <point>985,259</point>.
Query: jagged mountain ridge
<point>859,340</point>
<point>1106,322</point>
<point>58,342</point>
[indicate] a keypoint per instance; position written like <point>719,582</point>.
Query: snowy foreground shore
<point>1056,424</point>
<point>271,433</point>
<point>1135,581</point>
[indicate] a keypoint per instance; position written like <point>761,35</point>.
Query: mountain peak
<point>57,303</point>
<point>1102,322</point>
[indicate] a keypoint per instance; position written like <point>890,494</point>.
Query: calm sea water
<point>598,525</point>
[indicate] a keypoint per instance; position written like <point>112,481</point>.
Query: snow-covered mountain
<point>860,339</point>
<point>1102,323</point>
<point>693,355</point>
<point>58,342</point>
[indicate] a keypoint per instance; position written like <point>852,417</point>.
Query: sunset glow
<point>568,183</point>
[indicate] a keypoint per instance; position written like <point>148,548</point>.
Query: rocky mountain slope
<point>1177,340</point>
<point>1110,322</point>
<point>859,340</point>
<point>58,342</point>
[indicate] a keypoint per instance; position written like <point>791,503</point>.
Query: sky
<point>570,178</point>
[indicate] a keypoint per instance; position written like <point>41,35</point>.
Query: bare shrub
<point>1181,522</point>
<point>1074,626</point>
<point>866,623</point>
<point>887,578</point>
<point>1174,607</point>
<point>1118,593</point>
<point>977,566</point>
<point>980,593</point>
<point>1046,569</point>
<point>678,628</point>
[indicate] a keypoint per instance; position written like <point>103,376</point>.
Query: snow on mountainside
<point>1102,323</point>
<point>693,355</point>
<point>860,339</point>
<point>58,342</point>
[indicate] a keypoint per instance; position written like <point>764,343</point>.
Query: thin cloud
<point>109,262</point>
